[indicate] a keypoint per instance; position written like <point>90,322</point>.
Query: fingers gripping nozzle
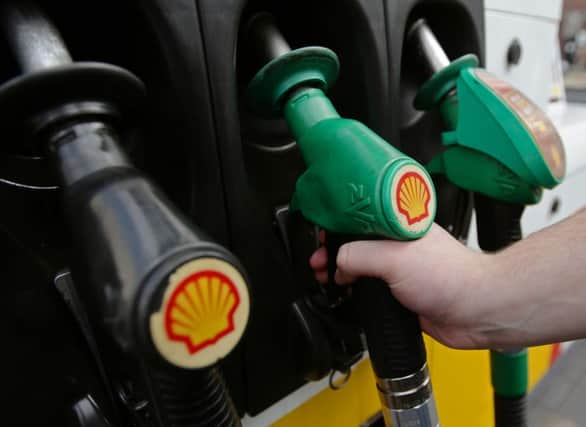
<point>157,284</point>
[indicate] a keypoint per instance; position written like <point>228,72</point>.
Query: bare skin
<point>533,292</point>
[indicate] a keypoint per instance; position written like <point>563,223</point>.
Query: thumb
<point>376,258</point>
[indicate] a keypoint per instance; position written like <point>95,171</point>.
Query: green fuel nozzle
<point>355,182</point>
<point>502,147</point>
<point>492,127</point>
<point>365,185</point>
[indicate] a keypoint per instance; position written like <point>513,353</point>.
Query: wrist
<point>500,305</point>
<point>482,307</point>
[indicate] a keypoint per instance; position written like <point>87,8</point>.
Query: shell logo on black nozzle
<point>201,310</point>
<point>203,313</point>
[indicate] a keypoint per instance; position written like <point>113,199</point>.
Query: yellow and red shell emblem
<point>203,313</point>
<point>201,310</point>
<point>413,196</point>
<point>412,199</point>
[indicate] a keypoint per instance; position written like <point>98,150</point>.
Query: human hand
<point>436,277</point>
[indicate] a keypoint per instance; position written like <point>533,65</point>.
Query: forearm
<point>535,291</point>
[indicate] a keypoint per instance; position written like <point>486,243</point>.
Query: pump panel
<point>225,169</point>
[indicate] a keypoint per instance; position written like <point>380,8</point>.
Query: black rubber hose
<point>199,399</point>
<point>393,334</point>
<point>510,411</point>
<point>499,225</point>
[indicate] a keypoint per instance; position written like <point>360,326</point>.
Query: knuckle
<point>343,258</point>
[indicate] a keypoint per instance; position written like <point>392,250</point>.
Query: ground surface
<point>560,398</point>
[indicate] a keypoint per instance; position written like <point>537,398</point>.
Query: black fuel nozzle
<point>159,287</point>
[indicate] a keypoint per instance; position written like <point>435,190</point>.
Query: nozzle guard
<point>309,66</point>
<point>433,90</point>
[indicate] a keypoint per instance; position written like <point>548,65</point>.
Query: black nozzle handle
<point>132,248</point>
<point>498,223</point>
<point>135,249</point>
<point>396,349</point>
<point>393,333</point>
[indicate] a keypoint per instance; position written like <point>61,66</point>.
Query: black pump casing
<point>225,170</point>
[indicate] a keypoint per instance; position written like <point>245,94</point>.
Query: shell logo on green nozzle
<point>413,199</point>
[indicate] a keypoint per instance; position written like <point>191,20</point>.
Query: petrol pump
<point>355,184</point>
<point>134,248</point>
<point>162,296</point>
<point>501,146</point>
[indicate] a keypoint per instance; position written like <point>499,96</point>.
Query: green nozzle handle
<point>493,127</point>
<point>355,182</point>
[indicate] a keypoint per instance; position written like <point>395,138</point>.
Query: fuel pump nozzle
<point>162,291</point>
<point>502,147</point>
<point>355,184</point>
<point>490,124</point>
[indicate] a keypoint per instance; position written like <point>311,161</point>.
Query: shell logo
<point>203,314</point>
<point>412,197</point>
<point>201,310</point>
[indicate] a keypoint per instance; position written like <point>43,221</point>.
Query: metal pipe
<point>267,41</point>
<point>408,401</point>
<point>422,42</point>
<point>35,41</point>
